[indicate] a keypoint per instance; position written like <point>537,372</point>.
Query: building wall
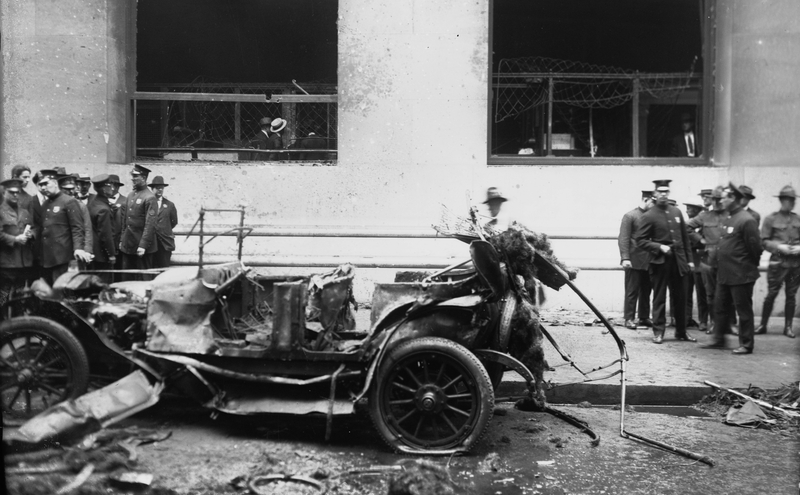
<point>413,103</point>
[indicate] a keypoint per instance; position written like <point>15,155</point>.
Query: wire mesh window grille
<point>205,122</point>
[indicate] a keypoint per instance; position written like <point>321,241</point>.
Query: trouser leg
<point>689,296</point>
<point>629,306</point>
<point>678,289</point>
<point>702,301</point>
<point>743,298</point>
<point>710,281</point>
<point>162,257</point>
<point>775,276</point>
<point>792,284</point>
<point>658,275</point>
<point>722,304</point>
<point>645,288</point>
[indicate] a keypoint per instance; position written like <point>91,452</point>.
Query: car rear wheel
<point>431,394</point>
<point>41,364</point>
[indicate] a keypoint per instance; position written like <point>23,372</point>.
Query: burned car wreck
<point>425,370</point>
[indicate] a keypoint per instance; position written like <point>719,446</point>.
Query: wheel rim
<point>430,400</point>
<point>35,373</point>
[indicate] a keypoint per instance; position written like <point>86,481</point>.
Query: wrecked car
<point>425,370</point>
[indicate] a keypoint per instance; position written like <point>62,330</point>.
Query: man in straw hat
<point>662,233</point>
<point>781,237</point>
<point>167,220</point>
<point>738,254</point>
<point>499,220</point>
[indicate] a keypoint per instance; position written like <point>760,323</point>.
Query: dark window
<point>252,59</point>
<point>599,79</point>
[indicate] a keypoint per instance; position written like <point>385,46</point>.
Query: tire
<point>41,364</point>
<point>431,394</point>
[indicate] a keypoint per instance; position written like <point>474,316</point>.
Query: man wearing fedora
<point>781,237</point>
<point>498,220</point>
<point>261,140</point>
<point>138,243</point>
<point>738,255</point>
<point>662,233</point>
<point>105,250</point>
<point>635,263</point>
<point>117,202</point>
<point>748,195</point>
<point>167,220</point>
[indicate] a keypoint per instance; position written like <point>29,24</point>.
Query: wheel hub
<point>430,399</point>
<point>25,376</point>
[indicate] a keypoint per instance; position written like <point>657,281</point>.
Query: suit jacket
<point>13,221</point>
<point>25,199</point>
<point>88,235</point>
<point>139,222</point>
<point>103,229</point>
<point>275,143</point>
<point>118,210</point>
<point>60,228</point>
<point>679,145</point>
<point>167,220</point>
<point>739,249</point>
<point>628,250</point>
<point>660,227</point>
<point>313,142</point>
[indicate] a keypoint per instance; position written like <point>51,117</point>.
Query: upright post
<point>239,237</point>
<point>551,85</point>
<point>202,215</point>
<point>635,117</point>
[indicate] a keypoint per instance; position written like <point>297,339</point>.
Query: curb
<point>607,394</point>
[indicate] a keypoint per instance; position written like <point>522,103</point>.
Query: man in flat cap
<point>138,243</point>
<point>69,186</point>
<point>748,196</point>
<point>780,235</point>
<point>167,220</point>
<point>738,255</point>
<point>16,240</point>
<point>662,233</point>
<point>60,227</point>
<point>635,263</point>
<point>102,216</point>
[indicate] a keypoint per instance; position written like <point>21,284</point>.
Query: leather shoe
<point>713,345</point>
<point>685,338</point>
<point>788,332</point>
<point>761,329</point>
<point>630,324</point>
<point>742,350</point>
<point>710,329</point>
<point>647,322</point>
<point>658,339</point>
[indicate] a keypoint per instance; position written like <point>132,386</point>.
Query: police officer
<point>138,243</point>
<point>662,233</point>
<point>780,235</point>
<point>738,255</point>
<point>101,214</point>
<point>635,263</point>
<point>60,227</point>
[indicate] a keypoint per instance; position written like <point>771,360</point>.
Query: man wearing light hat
<point>16,240</point>
<point>59,228</point>
<point>780,235</point>
<point>105,250</point>
<point>275,139</point>
<point>498,220</point>
<point>167,220</point>
<point>138,242</point>
<point>662,233</point>
<point>636,264</point>
<point>738,255</point>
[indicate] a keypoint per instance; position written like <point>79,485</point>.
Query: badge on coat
<point>138,201</point>
<point>730,230</point>
<point>56,209</point>
<point>678,219</point>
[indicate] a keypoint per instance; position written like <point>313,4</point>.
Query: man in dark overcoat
<point>101,214</point>
<point>635,263</point>
<point>167,220</point>
<point>695,282</point>
<point>138,243</point>
<point>662,233</point>
<point>60,228</point>
<point>16,240</point>
<point>738,256</point>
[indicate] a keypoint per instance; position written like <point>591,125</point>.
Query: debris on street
<point>778,407</point>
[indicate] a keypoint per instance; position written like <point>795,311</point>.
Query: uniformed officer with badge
<point>662,233</point>
<point>138,242</point>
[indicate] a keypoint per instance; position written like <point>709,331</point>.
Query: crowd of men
<point>65,222</point>
<point>715,254</point>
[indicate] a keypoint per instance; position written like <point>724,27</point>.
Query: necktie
<point>690,140</point>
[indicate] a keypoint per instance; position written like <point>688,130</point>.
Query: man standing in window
<point>738,255</point>
<point>138,243</point>
<point>662,233</point>
<point>781,237</point>
<point>635,263</point>
<point>684,145</point>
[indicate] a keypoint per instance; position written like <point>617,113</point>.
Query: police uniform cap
<point>11,183</point>
<point>662,183</point>
<point>101,179</point>
<point>140,170</point>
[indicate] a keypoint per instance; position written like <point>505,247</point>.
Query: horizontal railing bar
<point>189,149</point>
<point>267,232</point>
<point>170,96</point>
<point>590,75</point>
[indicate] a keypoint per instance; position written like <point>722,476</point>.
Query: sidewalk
<point>670,373</point>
